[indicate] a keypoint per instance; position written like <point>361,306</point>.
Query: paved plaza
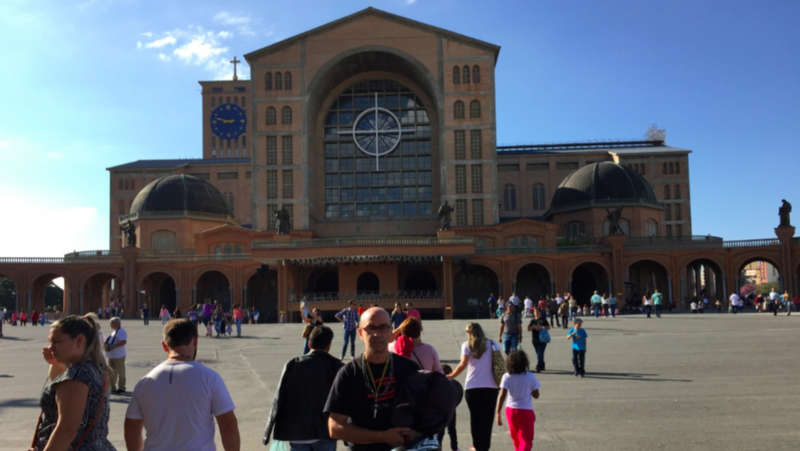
<point>713,381</point>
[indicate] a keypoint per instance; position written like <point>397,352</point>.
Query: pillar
<point>129,295</point>
<point>617,243</point>
<point>785,234</point>
<point>283,290</point>
<point>81,302</point>
<point>447,286</point>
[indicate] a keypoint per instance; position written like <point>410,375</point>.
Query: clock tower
<point>226,113</point>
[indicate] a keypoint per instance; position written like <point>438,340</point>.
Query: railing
<point>339,242</point>
<point>669,242</point>
<point>752,243</point>
<point>338,296</point>
<point>49,260</point>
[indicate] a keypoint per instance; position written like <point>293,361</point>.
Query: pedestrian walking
<point>314,320</point>
<point>540,336</point>
<point>563,313</point>
<point>163,314</point>
<point>517,387</point>
<point>423,354</point>
<point>452,434</point>
<point>397,315</point>
<point>238,317</point>
<point>297,414</point>
<point>646,307</point>
<point>657,302</point>
<point>510,333</point>
<point>145,315</point>
<point>596,301</point>
<point>115,352</point>
<point>612,305</point>
<point>178,400</point>
<point>578,336</point>
<point>480,388</point>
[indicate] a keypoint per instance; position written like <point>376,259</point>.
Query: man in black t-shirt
<point>535,326</point>
<point>367,389</point>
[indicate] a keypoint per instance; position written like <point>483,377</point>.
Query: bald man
<point>364,392</point>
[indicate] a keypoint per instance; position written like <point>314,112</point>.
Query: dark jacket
<point>300,397</point>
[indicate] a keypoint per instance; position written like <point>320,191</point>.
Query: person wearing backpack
<point>540,336</point>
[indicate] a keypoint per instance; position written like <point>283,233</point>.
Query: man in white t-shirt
<point>177,401</point>
<point>528,306</point>
<point>734,302</point>
<point>115,351</point>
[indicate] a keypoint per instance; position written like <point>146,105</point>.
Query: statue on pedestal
<point>282,225</point>
<point>445,210</point>
<point>130,233</point>
<point>613,217</point>
<point>783,212</point>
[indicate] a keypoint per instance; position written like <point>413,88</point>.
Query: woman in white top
<point>646,305</point>
<point>480,388</point>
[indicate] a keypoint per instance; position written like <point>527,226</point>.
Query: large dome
<point>179,194</point>
<point>603,184</point>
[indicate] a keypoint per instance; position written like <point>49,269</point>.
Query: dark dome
<point>602,184</point>
<point>179,194</point>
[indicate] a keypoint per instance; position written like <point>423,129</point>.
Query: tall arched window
<point>651,228</point>
<point>474,109</point>
<point>465,74</point>
<point>286,115</point>
<point>458,110</point>
<point>272,115</point>
<point>456,75</point>
<point>268,81</point>
<point>538,196</point>
<point>509,197</point>
<point>278,81</point>
<point>476,74</point>
<point>287,81</point>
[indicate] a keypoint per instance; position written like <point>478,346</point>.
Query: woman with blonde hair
<point>74,400</point>
<point>480,388</point>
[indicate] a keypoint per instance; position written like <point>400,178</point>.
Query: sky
<point>91,84</point>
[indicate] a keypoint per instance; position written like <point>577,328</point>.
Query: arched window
<point>575,230</point>
<point>456,75</point>
<point>268,81</point>
<point>465,74</point>
<point>278,81</point>
<point>476,74</point>
<point>538,196</point>
<point>272,115</point>
<point>287,81</point>
<point>286,115</point>
<point>163,240</point>
<point>509,197</point>
<point>458,110</point>
<point>474,109</point>
<point>651,228</point>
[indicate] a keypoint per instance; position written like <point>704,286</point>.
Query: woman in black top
<point>537,324</point>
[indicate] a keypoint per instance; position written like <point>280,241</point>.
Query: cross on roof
<point>235,61</point>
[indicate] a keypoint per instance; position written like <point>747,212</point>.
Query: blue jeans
<point>349,335</point>
<point>540,347</point>
<point>321,445</point>
<point>613,309</point>
<point>510,342</point>
<point>238,327</point>
<point>658,310</point>
<point>596,310</point>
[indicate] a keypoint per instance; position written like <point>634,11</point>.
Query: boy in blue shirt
<point>578,335</point>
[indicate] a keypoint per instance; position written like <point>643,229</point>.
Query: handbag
<point>498,363</point>
<point>544,336</point>
<point>307,330</point>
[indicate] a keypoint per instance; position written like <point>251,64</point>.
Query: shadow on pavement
<point>19,402</point>
<point>6,337</point>
<point>644,377</point>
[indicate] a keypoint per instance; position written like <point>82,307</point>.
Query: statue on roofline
<point>613,217</point>
<point>783,212</point>
<point>445,210</point>
<point>130,233</point>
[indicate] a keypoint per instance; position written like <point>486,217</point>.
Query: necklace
<point>376,386</point>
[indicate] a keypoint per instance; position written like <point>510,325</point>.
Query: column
<point>81,304</point>
<point>785,234</point>
<point>447,286</point>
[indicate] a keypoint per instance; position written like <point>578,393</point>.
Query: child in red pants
<point>518,385</point>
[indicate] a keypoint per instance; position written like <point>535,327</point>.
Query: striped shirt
<point>348,317</point>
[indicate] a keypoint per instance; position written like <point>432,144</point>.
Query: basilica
<point>361,161</point>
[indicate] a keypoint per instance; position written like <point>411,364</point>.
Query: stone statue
<point>445,210</point>
<point>282,225</point>
<point>613,218</point>
<point>784,211</point>
<point>130,233</point>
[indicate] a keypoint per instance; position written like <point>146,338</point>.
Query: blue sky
<point>92,84</point>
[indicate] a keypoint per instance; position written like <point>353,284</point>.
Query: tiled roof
<point>176,163</point>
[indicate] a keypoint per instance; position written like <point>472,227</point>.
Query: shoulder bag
<point>498,363</point>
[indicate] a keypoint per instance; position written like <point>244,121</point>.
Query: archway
<point>419,282</point>
<point>644,276</point>
<point>471,288</point>
<point>533,280</point>
<point>262,294</point>
<point>704,279</point>
<point>323,283</point>
<point>48,295</point>
<point>586,278</point>
<point>157,289</point>
<point>98,293</point>
<point>368,285</point>
<point>8,294</point>
<point>214,285</point>
<point>758,276</point>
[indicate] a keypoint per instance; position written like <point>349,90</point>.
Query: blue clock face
<point>228,121</point>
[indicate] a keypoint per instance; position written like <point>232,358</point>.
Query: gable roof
<point>380,13</point>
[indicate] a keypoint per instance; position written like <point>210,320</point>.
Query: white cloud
<point>200,50</point>
<point>139,44</point>
<point>158,43</point>
<point>241,23</point>
<point>410,2</point>
<point>164,57</point>
<point>147,34</point>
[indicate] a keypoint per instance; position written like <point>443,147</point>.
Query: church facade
<point>361,161</point>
